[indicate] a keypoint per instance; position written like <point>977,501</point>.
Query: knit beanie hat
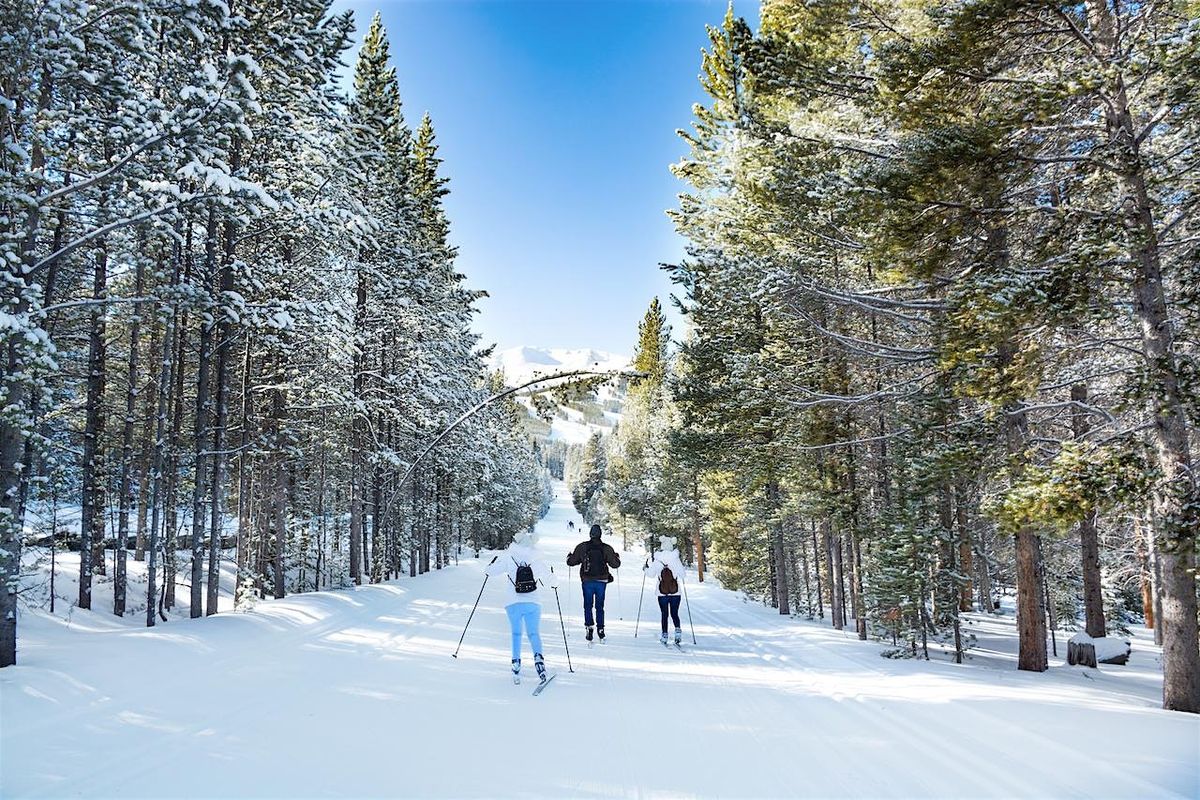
<point>594,532</point>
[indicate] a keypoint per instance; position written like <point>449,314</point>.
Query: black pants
<point>669,602</point>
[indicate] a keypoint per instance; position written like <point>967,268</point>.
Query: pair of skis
<point>541,684</point>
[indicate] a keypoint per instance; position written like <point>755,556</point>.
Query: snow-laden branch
<point>893,392</point>
<point>113,301</point>
<point>865,347</point>
<point>100,232</point>
<point>809,448</point>
<point>877,305</point>
<point>470,412</point>
<point>1079,404</point>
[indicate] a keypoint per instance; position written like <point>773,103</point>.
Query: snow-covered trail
<point>354,693</point>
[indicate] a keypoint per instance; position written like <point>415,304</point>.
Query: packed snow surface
<point>354,693</point>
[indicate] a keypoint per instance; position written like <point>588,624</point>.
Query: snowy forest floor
<point>354,693</point>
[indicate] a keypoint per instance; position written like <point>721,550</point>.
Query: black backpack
<point>525,582</point>
<point>666,581</point>
<point>594,562</point>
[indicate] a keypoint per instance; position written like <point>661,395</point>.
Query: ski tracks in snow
<point>354,693</point>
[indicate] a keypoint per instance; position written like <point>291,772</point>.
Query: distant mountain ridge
<point>572,424</point>
<point>522,364</point>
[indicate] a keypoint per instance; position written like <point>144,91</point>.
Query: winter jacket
<point>506,565</point>
<point>669,559</point>
<point>575,558</point>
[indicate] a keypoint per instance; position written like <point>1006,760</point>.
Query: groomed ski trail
<point>354,693</point>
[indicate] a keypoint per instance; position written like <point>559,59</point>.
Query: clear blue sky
<point>557,124</point>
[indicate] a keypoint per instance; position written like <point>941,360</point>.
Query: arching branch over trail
<point>576,374</point>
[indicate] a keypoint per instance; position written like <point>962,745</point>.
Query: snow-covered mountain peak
<point>574,423</point>
<point>521,364</point>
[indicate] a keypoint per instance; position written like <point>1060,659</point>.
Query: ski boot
<point>600,633</point>
<point>663,638</point>
<point>678,636</point>
<point>516,670</point>
<point>588,635</point>
<point>540,664</point>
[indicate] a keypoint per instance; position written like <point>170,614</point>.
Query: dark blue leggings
<point>671,602</point>
<point>593,594</point>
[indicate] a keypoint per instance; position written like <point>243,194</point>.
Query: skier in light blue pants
<point>525,575</point>
<point>528,615</point>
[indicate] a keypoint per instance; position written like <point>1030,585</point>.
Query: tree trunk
<point>957,623</point>
<point>159,496</point>
<point>1143,545</point>
<point>831,577</point>
<point>358,435</point>
<point>245,466</point>
<point>175,441</point>
<point>224,334</point>
<point>839,561</point>
<point>985,575</point>
<point>860,612</point>
<point>774,507</point>
<point>148,436</point>
<point>817,568</point>
<point>1031,611</point>
<point>696,534</point>
<point>322,470</point>
<point>126,489</point>
<point>200,428</point>
<point>91,521</point>
<point>808,597</point>
<point>1089,544</point>
<point>220,419</point>
<point>279,514</point>
<point>1175,489</point>
<point>18,363</point>
<point>966,565</point>
<point>376,523</point>
<point>414,523</point>
<point>856,588</point>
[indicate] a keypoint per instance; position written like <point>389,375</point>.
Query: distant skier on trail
<point>667,571</point>
<point>594,557</point>
<point>525,574</point>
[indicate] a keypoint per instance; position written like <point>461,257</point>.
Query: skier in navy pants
<point>667,571</point>
<point>594,558</point>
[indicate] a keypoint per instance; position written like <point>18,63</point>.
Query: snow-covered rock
<point>1108,649</point>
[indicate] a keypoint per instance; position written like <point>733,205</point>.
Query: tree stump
<point>1086,651</point>
<point>1081,653</point>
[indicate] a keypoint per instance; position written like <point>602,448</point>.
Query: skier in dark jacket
<point>593,558</point>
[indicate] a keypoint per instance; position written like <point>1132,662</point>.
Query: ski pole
<point>563,625</point>
<point>620,598</point>
<point>683,583</point>
<point>472,616</point>
<point>640,596</point>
